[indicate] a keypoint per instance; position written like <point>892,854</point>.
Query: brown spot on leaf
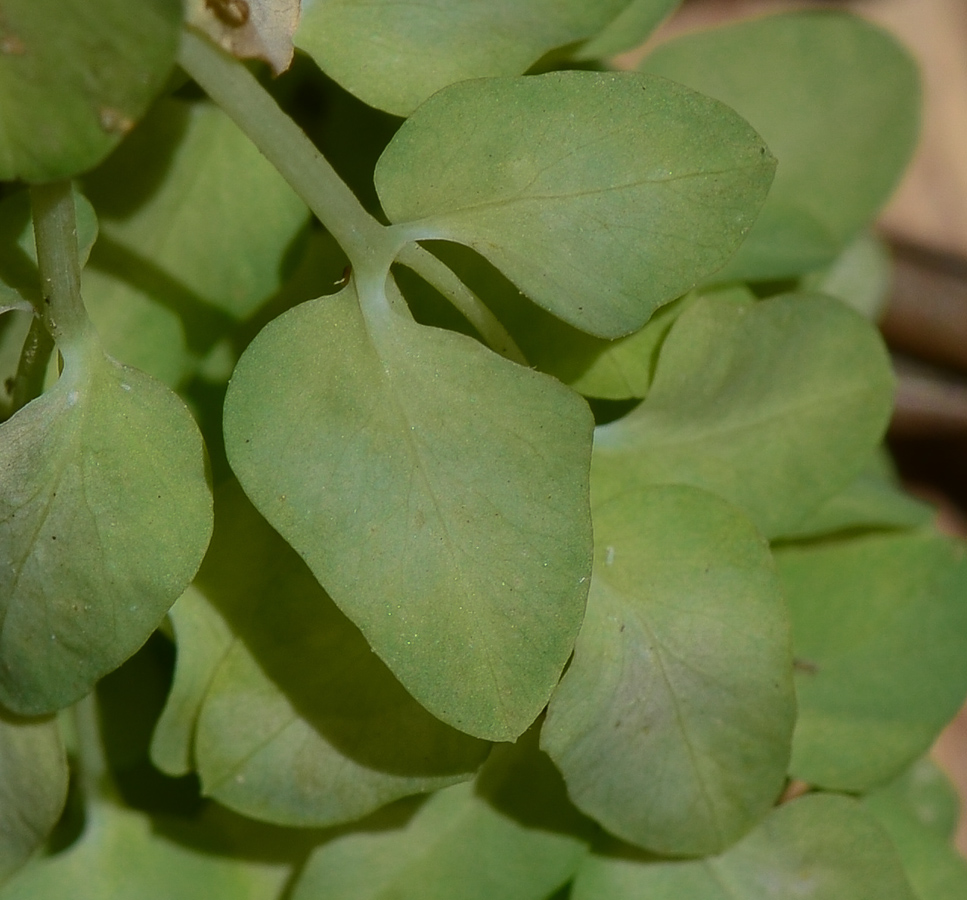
<point>11,45</point>
<point>233,13</point>
<point>113,121</point>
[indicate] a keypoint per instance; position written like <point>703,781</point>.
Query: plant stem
<point>437,273</point>
<point>90,748</point>
<point>28,383</point>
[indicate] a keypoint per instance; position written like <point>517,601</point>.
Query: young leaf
<point>33,788</point>
<point>822,847</point>
<point>73,84</point>
<point>105,514</point>
<point>600,195</point>
<point>298,722</point>
<point>880,633</point>
<point>836,99</point>
<point>673,723</point>
<point>436,490</point>
<point>393,56</point>
<point>774,406</point>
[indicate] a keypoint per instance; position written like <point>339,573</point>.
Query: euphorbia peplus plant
<point>443,635</point>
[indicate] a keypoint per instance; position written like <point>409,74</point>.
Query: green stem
<point>32,369</point>
<point>437,273</point>
<point>92,759</point>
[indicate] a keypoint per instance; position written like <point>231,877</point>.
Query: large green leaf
<point>600,195</point>
<point>673,723</point>
<point>437,491</point>
<point>105,515</point>
<point>511,835</point>
<point>394,55</point>
<point>72,84</point>
<point>880,633</point>
<point>820,847</point>
<point>837,101</point>
<point>628,29</point>
<point>33,787</point>
<point>298,721</point>
<point>775,406</point>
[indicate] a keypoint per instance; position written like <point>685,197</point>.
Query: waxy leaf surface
<point>837,101</point>
<point>436,490</point>
<point>819,847</point>
<point>73,84</point>
<point>105,514</point>
<point>33,787</point>
<point>600,195</point>
<point>775,406</point>
<point>880,635</point>
<point>298,722</point>
<point>394,55</point>
<point>673,723</point>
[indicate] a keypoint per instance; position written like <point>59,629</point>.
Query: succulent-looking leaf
<point>600,195</point>
<point>249,29</point>
<point>436,490</point>
<point>73,84</point>
<point>628,29</point>
<point>836,99</point>
<point>775,406</point>
<point>821,847</point>
<point>880,633</point>
<point>33,787</point>
<point>673,723</point>
<point>105,514</point>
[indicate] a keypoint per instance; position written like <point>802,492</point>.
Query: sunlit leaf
<point>673,723</point>
<point>73,84</point>
<point>775,406</point>
<point>880,636</point>
<point>837,101</point>
<point>600,195</point>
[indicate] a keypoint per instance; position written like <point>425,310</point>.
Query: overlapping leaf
<point>294,719</point>
<point>837,101</point>
<point>72,84</point>
<point>437,491</point>
<point>600,195</point>
<point>823,847</point>
<point>775,406</point>
<point>880,632</point>
<point>673,723</point>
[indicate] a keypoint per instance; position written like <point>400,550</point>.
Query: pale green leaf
<point>298,721</point>
<point>673,723</point>
<point>628,29</point>
<point>820,847</point>
<point>72,84</point>
<point>923,794</point>
<point>837,101</point>
<point>437,491</point>
<point>33,787</point>
<point>105,514</point>
<point>861,276</point>
<point>775,406</point>
<point>880,637</point>
<point>600,195</point>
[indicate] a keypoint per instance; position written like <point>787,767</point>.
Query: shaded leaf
<point>600,195</point>
<point>837,101</point>
<point>775,406</point>
<point>880,632</point>
<point>673,723</point>
<point>259,29</point>
<point>72,85</point>
<point>628,29</point>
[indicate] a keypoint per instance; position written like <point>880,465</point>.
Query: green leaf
<point>673,723</point>
<point>510,835</point>
<point>105,514</point>
<point>880,635</point>
<point>124,854</point>
<point>922,794</point>
<point>822,847</point>
<point>298,722</point>
<point>775,406</point>
<point>72,84</point>
<point>393,56</point>
<point>33,787</point>
<point>437,491</point>
<point>861,276</point>
<point>837,101</point>
<point>628,29</point>
<point>600,195</point>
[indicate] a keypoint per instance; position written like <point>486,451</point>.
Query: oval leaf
<point>673,723</point>
<point>600,195</point>
<point>436,490</point>
<point>775,406</point>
